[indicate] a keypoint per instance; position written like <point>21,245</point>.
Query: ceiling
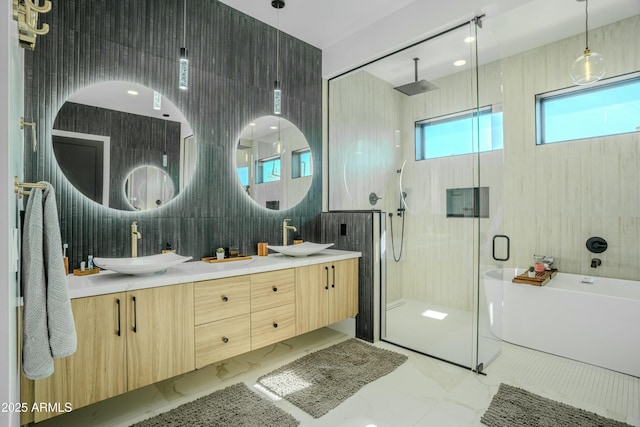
<point>353,32</point>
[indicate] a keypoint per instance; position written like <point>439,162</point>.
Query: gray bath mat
<point>234,406</point>
<point>320,381</point>
<point>514,407</point>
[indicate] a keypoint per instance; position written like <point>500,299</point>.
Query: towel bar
<point>18,187</point>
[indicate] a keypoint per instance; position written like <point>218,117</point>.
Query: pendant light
<point>183,80</point>
<point>590,66</point>
<point>278,145</point>
<point>277,93</point>
<point>165,159</point>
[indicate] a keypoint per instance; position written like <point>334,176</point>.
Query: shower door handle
<point>501,236</point>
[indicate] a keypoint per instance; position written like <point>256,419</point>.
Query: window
<point>243,175</point>
<point>453,135</point>
<point>268,170</point>
<point>609,108</point>
<point>301,163</point>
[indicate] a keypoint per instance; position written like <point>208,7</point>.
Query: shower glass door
<point>421,131</point>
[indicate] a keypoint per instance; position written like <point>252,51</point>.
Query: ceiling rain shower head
<point>418,86</point>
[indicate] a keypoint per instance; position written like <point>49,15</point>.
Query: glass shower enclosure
<point>417,134</point>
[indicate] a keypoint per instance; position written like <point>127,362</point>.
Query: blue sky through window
<point>591,112</point>
<point>454,135</point>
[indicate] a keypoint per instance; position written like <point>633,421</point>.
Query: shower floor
<point>450,339</point>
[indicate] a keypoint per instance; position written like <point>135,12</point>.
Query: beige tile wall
<point>557,196</point>
<point>548,199</point>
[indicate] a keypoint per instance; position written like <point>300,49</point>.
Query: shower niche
<point>468,202</point>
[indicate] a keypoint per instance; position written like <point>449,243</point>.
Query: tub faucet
<point>595,262</point>
<point>135,236</point>
<point>285,228</point>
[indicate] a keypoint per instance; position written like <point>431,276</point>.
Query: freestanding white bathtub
<point>591,319</point>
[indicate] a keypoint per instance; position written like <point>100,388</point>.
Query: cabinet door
<point>343,293</point>
<point>312,290</point>
<point>97,370</point>
<point>160,334</point>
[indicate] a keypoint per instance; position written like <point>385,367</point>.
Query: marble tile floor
<point>422,392</point>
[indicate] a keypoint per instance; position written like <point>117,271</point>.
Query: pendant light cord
<point>184,25</point>
<point>278,47</point>
<point>586,22</point>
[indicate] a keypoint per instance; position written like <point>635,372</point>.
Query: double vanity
<point>136,330</point>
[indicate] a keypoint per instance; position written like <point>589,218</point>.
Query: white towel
<point>48,327</point>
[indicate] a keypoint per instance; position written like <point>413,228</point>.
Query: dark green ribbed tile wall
<point>232,68</point>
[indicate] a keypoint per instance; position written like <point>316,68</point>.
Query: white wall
<point>11,104</point>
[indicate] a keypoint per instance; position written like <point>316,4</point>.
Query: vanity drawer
<point>221,298</point>
<point>272,289</point>
<point>220,340</point>
<point>273,325</point>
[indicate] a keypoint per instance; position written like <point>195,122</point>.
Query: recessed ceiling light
<point>470,39</point>
<point>274,127</point>
<point>132,92</point>
<point>252,124</point>
<point>459,62</point>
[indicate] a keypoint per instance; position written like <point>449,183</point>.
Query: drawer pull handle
<point>135,315</point>
<point>275,289</point>
<point>225,340</point>
<point>333,269</point>
<point>224,298</point>
<point>275,325</point>
<point>118,303</point>
<point>326,286</point>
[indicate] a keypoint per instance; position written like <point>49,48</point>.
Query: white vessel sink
<point>302,249</point>
<point>141,265</point>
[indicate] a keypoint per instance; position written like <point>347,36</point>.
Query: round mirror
<point>124,146</point>
<point>273,162</point>
<point>148,187</point>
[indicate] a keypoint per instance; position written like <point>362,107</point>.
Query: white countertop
<point>108,282</point>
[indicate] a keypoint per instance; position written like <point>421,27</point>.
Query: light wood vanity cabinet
<point>273,311</point>
<point>97,370</point>
<point>239,314</point>
<point>111,356</point>
<point>222,319</point>
<point>131,339</point>
<point>325,294</point>
<point>160,334</point>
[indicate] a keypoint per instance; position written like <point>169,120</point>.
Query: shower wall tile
<point>231,72</point>
<point>547,199</point>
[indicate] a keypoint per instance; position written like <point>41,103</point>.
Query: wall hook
<point>34,139</point>
<point>26,13</point>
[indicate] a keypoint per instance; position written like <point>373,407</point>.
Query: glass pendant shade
<point>279,147</point>
<point>277,99</point>
<point>183,79</point>
<point>588,68</point>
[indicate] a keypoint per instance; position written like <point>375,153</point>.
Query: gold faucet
<point>135,236</point>
<point>285,227</point>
